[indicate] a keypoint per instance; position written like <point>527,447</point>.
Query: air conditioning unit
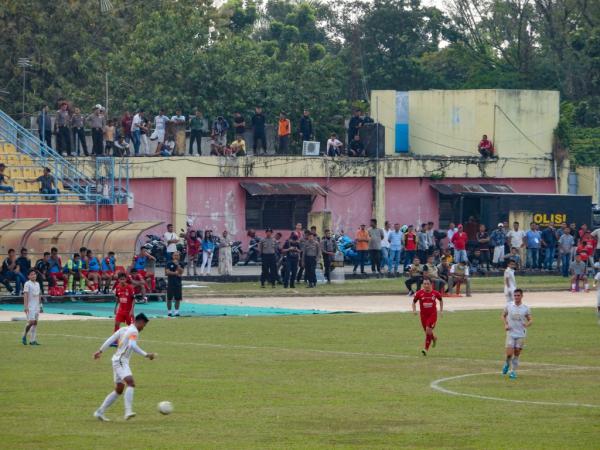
<point>311,148</point>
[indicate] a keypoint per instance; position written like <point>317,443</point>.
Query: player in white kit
<point>33,306</point>
<point>517,318</point>
<point>126,338</point>
<point>510,284</point>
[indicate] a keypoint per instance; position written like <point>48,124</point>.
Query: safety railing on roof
<point>62,169</point>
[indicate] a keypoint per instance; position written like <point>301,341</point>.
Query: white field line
<point>436,385</point>
<point>322,352</point>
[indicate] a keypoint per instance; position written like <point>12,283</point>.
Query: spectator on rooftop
<point>354,125</point>
<point>44,123</point>
<point>126,120</point>
<point>238,147</point>
<point>306,127</point>
<point>109,137</point>
<point>239,124</point>
<point>356,147</point>
<point>485,147</point>
<point>160,130</point>
<point>78,130</point>
<point>136,131</point>
<point>284,129</point>
<point>179,121</point>
<point>198,126</point>
<point>334,146</point>
<point>3,177</point>
<point>258,129</point>
<point>219,131</point>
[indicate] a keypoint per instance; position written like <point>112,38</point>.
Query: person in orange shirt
<point>283,132</point>
<point>361,244</point>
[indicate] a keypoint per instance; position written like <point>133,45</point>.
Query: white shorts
<point>33,314</point>
<point>121,371</point>
<point>513,342</point>
<point>160,135</point>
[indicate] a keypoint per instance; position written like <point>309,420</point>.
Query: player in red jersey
<point>125,293</point>
<point>426,297</point>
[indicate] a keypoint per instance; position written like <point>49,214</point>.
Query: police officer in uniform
<point>328,250</point>
<point>310,255</point>
<point>291,251</point>
<point>268,249</point>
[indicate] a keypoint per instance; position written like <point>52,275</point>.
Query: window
<point>279,212</point>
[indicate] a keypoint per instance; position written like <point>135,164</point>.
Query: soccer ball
<point>165,408</point>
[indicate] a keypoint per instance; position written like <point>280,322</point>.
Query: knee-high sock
<point>427,341</point>
<point>109,400</point>
<point>128,399</point>
<point>515,363</point>
<point>70,283</point>
<point>33,333</point>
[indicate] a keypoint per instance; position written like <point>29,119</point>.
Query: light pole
<point>23,63</point>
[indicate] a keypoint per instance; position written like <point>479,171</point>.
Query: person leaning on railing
<point>47,183</point>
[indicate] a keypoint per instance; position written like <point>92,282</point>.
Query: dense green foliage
<point>325,381</point>
<point>288,55</point>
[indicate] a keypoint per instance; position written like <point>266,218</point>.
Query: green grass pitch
<point>345,381</point>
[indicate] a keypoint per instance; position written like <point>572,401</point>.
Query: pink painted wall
<point>413,200</point>
<point>219,203</point>
<point>66,213</point>
<point>153,201</point>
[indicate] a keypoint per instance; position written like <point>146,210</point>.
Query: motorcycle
<point>156,247</point>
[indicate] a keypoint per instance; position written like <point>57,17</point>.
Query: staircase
<point>74,184</point>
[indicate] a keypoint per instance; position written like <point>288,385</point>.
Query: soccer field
<point>351,380</point>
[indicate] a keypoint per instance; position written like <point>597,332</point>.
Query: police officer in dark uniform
<point>291,251</point>
<point>268,249</point>
<point>310,255</point>
<point>328,251</point>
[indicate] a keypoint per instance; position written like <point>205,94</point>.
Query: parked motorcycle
<point>156,247</point>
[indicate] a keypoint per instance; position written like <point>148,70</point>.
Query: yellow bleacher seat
<point>30,172</point>
<point>7,148</point>
<point>14,172</point>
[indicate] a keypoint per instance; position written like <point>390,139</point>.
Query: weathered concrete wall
<point>153,200</point>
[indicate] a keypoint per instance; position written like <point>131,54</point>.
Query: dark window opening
<point>280,212</point>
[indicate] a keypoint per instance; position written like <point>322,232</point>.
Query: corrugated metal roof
<point>284,189</point>
<point>454,189</point>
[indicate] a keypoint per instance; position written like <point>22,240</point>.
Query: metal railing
<point>63,170</point>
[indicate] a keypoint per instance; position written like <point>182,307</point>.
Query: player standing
<point>33,307</point>
<point>127,343</point>
<point>517,318</point>
<point>510,284</point>
<point>427,297</point>
<point>125,294</point>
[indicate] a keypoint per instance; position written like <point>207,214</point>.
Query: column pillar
<point>179,211</point>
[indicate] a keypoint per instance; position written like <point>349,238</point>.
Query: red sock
<point>427,341</point>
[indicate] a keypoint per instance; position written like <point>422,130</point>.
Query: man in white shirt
<point>334,145</point>
<point>386,259</point>
<point>136,131</point>
<point>451,230</point>
<point>517,318</point>
<point>510,284</point>
<point>516,238</point>
<point>32,306</point>
<point>171,240</point>
<point>179,120</point>
<point>126,339</point>
<point>160,126</point>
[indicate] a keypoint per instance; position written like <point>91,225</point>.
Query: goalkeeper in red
<point>427,297</point>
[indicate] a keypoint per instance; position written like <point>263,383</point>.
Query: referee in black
<point>174,271</point>
<point>268,249</point>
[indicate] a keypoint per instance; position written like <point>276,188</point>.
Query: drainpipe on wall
<point>573,182</point>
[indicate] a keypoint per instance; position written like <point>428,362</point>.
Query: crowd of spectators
<point>134,134</point>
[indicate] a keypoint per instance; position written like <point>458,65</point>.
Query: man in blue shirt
<point>534,243</point>
<point>549,239</point>
<point>396,237</point>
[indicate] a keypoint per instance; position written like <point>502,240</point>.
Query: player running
<point>426,297</point>
<point>127,343</point>
<point>125,294</point>
<point>33,307</point>
<point>517,318</point>
<point>510,284</point>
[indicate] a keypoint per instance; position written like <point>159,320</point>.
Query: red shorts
<point>84,272</point>
<point>108,273</point>
<point>429,320</point>
<point>124,317</point>
<point>92,271</point>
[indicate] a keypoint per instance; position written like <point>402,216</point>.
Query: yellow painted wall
<point>589,182</point>
<point>451,123</point>
<point>383,111</point>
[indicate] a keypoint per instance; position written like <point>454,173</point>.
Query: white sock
<point>109,400</point>
<point>33,333</point>
<point>128,399</point>
<point>176,311</point>
<point>586,286</point>
<point>572,286</point>
<point>515,363</point>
